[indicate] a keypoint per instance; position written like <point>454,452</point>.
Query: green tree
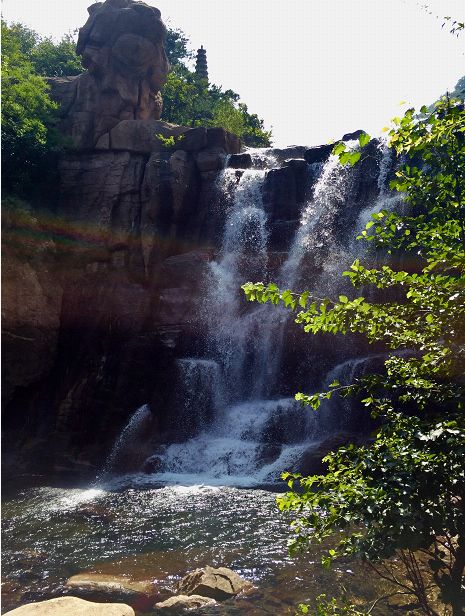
<point>176,47</point>
<point>228,116</point>
<point>401,500</point>
<point>52,59</point>
<point>29,136</point>
<point>190,101</point>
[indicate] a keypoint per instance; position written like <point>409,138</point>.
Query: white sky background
<point>312,69</point>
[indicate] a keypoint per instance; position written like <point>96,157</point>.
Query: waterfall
<point>230,332</point>
<point>314,235</point>
<point>128,441</point>
<point>317,220</point>
<point>239,424</point>
<point>387,199</point>
<point>249,443</point>
<point>200,392</point>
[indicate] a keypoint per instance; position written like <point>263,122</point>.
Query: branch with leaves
<point>402,496</point>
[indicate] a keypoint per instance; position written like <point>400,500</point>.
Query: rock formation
<point>122,48</point>
<point>218,584</point>
<point>181,603</point>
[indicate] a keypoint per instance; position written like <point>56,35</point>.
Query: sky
<point>312,69</point>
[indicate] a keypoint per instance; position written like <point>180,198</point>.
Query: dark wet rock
<point>219,584</point>
<point>292,151</point>
<point>300,169</point>
<point>351,136</point>
<point>211,159</point>
<point>154,464</point>
<point>318,154</point>
<point>268,453</point>
<point>311,462</point>
<point>240,161</point>
<point>279,194</point>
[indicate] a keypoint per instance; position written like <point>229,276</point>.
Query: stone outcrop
<point>72,606</point>
<point>219,584</point>
<point>99,587</point>
<point>184,602</point>
<point>31,302</point>
<point>122,48</point>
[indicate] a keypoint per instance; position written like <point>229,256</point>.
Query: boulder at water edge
<point>140,595</point>
<point>219,584</point>
<point>184,602</point>
<point>72,606</point>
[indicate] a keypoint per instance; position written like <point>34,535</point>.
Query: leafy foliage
<point>48,58</point>
<point>30,140</point>
<point>190,101</point>
<point>403,495</point>
<point>168,142</point>
<point>330,607</point>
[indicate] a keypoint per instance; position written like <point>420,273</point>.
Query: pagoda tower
<point>201,68</point>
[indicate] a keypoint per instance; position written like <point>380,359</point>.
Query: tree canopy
<point>30,139</point>
<point>190,100</point>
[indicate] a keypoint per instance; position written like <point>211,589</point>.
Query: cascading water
<point>245,428</point>
<point>244,252</point>
<point>314,234</point>
<point>127,441</point>
<point>200,392</point>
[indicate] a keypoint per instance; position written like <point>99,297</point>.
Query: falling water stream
<point>194,506</point>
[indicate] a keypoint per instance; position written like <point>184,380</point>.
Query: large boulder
<point>218,584</point>
<point>72,606</point>
<point>139,595</point>
<point>184,602</point>
<point>221,138</point>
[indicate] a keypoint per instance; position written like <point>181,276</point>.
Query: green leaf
<point>363,139</point>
